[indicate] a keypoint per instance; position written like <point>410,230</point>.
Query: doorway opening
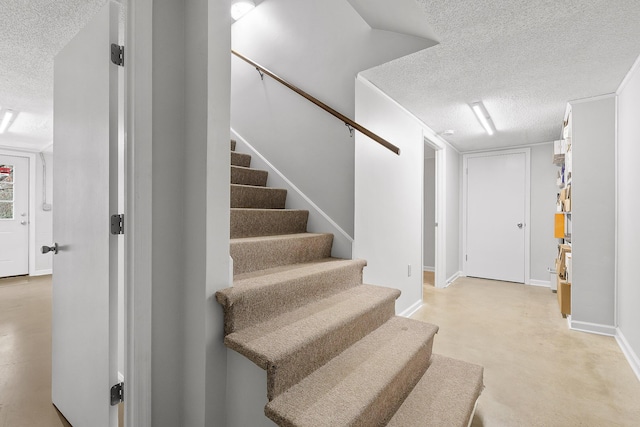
<point>17,214</point>
<point>433,212</point>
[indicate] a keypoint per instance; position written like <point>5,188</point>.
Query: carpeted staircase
<point>334,352</point>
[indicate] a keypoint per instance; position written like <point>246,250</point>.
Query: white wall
<point>318,221</point>
<point>593,214</point>
<point>388,196</point>
<point>628,232</point>
<point>178,198</point>
<point>429,247</point>
<point>318,46</point>
<point>44,219</point>
<point>543,207</point>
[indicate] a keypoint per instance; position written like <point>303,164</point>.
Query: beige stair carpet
<point>333,351</point>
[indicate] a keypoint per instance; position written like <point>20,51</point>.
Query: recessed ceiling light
<point>483,117</point>
<point>6,121</point>
<point>239,8</point>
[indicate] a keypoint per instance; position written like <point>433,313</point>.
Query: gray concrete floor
<point>25,354</point>
<point>537,371</point>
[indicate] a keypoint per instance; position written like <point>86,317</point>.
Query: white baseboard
<point>543,283</point>
<point>454,277</point>
<point>631,356</point>
<point>427,268</point>
<point>318,221</point>
<point>412,309</point>
<point>593,328</point>
<point>42,272</point>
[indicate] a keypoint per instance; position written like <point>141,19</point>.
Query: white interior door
<point>14,216</point>
<point>84,319</point>
<point>496,188</point>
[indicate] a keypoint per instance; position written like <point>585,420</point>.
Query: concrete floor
<point>537,371</point>
<point>25,354</point>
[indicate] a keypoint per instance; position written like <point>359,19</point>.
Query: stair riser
<point>370,376</point>
<point>238,159</point>
<point>252,223</point>
<point>269,301</point>
<point>286,373</point>
<point>390,399</point>
<point>448,383</point>
<point>260,255</point>
<point>257,197</point>
<point>246,176</point>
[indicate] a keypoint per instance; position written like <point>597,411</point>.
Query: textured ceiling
<point>400,16</point>
<point>33,32</point>
<point>523,58</point>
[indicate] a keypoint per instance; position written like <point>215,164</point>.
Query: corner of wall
<point>413,308</point>
<point>628,352</point>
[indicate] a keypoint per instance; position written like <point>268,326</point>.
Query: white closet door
<point>496,203</point>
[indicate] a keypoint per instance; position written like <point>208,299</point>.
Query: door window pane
<point>6,191</point>
<point>6,210</point>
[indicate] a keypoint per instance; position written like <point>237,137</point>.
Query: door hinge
<point>466,258</point>
<point>117,54</point>
<point>117,224</point>
<point>117,394</point>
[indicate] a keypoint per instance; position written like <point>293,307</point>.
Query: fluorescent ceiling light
<point>483,117</point>
<point>6,121</point>
<point>239,8</point>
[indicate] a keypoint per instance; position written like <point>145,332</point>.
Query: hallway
<point>537,371</point>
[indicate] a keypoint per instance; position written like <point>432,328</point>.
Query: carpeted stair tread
<point>259,253</point>
<point>247,176</point>
<point>364,385</point>
<point>233,145</point>
<point>281,268</point>
<point>249,196</point>
<point>267,222</point>
<point>294,344</point>
<point>265,295</point>
<point>240,159</point>
<point>445,395</point>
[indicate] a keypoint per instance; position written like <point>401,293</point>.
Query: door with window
<point>14,216</point>
<point>496,216</point>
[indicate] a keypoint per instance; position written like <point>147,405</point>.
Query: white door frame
<point>440,276</point>
<point>527,210</point>
<point>32,204</point>
<point>138,210</point>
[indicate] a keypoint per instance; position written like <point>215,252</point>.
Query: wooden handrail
<point>347,121</point>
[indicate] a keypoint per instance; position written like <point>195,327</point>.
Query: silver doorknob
<point>520,225</point>
<point>23,222</point>
<point>47,249</point>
